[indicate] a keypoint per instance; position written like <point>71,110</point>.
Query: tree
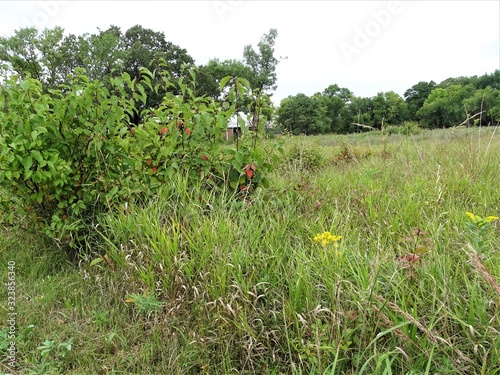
<point>106,53</point>
<point>462,80</point>
<point>361,111</point>
<point>21,54</point>
<point>49,56</point>
<point>492,80</point>
<point>388,109</point>
<point>415,97</point>
<point>336,101</point>
<point>444,106</point>
<point>210,75</point>
<point>301,114</point>
<point>149,49</point>
<point>486,102</point>
<point>262,63</point>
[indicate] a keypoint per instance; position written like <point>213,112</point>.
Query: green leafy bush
<point>71,154</point>
<point>305,158</point>
<point>408,128</point>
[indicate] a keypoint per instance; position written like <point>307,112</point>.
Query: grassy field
<point>196,284</point>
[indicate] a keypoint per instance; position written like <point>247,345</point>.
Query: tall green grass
<point>196,283</point>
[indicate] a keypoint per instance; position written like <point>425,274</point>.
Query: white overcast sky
<point>366,46</point>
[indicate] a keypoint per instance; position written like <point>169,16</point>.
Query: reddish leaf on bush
<point>204,157</point>
<point>154,169</point>
<point>163,131</point>
<point>188,131</point>
<point>249,170</point>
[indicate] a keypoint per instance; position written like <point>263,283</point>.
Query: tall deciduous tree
<point>336,101</point>
<point>492,80</point>
<point>416,95</point>
<point>149,49</point>
<point>106,53</point>
<point>485,105</point>
<point>210,75</point>
<point>360,110</point>
<point>301,114</point>
<point>388,109</point>
<point>262,63</point>
<point>444,106</point>
<point>21,53</point>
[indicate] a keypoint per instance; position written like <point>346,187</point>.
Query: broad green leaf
<point>27,174</point>
<point>239,158</point>
<point>25,85</point>
<point>224,81</point>
<point>236,165</point>
<point>27,162</point>
<point>38,157</point>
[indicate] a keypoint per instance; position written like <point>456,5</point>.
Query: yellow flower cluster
<point>479,221</point>
<point>325,238</point>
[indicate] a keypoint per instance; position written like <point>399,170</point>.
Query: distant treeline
<point>51,56</point>
<point>455,101</point>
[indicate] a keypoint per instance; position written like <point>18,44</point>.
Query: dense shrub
<point>305,158</point>
<point>408,128</point>
<point>71,154</point>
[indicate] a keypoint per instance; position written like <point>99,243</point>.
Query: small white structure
<point>233,129</point>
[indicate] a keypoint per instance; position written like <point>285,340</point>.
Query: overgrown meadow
<point>405,282</point>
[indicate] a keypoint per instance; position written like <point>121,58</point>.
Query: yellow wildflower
<point>479,221</point>
<point>325,238</point>
<point>474,218</point>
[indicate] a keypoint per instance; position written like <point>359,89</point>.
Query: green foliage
<point>70,155</point>
<point>388,108</point>
<point>416,95</point>
<point>407,128</point>
<point>444,107</point>
<point>50,56</point>
<point>145,304</point>
<point>305,158</point>
<point>478,229</point>
<point>262,62</point>
<point>60,350</point>
<point>492,80</point>
<point>20,52</point>
<point>211,74</point>
<point>54,357</point>
<point>485,105</point>
<point>336,102</point>
<point>450,103</point>
<point>360,111</point>
<point>23,334</point>
<point>301,114</point>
